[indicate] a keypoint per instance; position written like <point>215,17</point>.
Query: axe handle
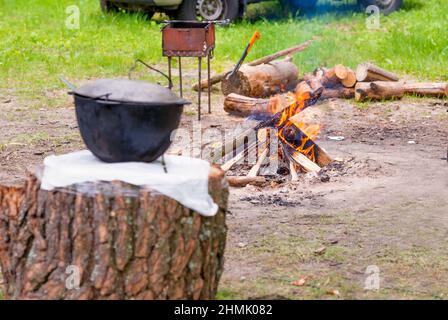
<point>246,51</point>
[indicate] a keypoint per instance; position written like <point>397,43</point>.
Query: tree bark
<point>146,246</point>
<point>263,80</point>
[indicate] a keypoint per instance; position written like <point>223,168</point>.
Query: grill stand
<point>209,56</point>
<point>190,39</point>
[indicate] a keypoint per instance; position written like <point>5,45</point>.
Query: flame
<point>299,140</point>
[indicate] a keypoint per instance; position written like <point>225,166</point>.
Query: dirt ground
<point>383,202</point>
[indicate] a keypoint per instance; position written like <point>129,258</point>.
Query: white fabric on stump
<point>185,182</point>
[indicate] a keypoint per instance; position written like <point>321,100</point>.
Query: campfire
<point>280,137</point>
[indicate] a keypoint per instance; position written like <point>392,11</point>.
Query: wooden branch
<point>262,80</point>
<point>220,76</point>
<point>367,72</point>
<point>239,182</point>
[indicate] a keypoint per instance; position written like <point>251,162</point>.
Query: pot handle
<point>170,83</point>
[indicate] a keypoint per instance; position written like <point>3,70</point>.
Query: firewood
<point>367,72</point>
<point>239,182</point>
<point>262,80</point>
<point>329,78</point>
<point>304,162</point>
<point>293,171</point>
<point>243,106</point>
<point>230,163</point>
<point>374,91</point>
<point>338,92</point>
<point>267,59</point>
<point>391,89</point>
<point>219,149</point>
<point>430,89</point>
<point>143,247</point>
<point>256,168</point>
<point>346,75</point>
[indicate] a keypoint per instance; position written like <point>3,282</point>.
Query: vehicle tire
<point>302,6</point>
<point>386,6</point>
<point>208,10</point>
<point>108,6</point>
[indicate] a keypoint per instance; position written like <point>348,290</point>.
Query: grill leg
<point>208,85</point>
<point>199,91</point>
<point>169,72</point>
<point>180,77</point>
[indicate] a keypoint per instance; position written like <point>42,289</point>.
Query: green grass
<point>36,46</point>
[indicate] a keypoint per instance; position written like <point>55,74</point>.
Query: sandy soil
<point>383,202</point>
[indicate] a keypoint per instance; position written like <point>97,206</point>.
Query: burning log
<point>367,72</point>
<point>262,80</point>
<point>121,247</point>
<point>267,59</point>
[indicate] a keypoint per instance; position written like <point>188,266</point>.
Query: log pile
<point>368,82</point>
<point>70,245</point>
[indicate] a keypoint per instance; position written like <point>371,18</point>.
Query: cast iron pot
<point>127,120</point>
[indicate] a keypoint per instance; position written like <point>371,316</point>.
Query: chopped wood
<point>239,182</point>
<point>293,171</point>
<point>340,71</point>
<point>346,75</point>
<point>256,168</point>
<point>329,78</point>
<point>429,89</point>
<point>323,158</point>
<point>339,92</point>
<point>243,106</point>
<point>367,72</point>
<point>262,80</point>
<point>230,163</point>
<point>219,149</point>
<point>220,76</point>
<point>383,90</point>
<point>372,91</point>
<point>304,162</point>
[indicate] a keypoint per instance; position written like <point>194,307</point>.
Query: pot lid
<point>133,91</point>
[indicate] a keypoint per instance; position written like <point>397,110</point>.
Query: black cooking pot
<point>127,120</point>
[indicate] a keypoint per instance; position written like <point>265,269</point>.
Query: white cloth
<point>185,182</point>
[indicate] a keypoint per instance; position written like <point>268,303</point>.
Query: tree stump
<point>74,245</point>
<point>262,80</point>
